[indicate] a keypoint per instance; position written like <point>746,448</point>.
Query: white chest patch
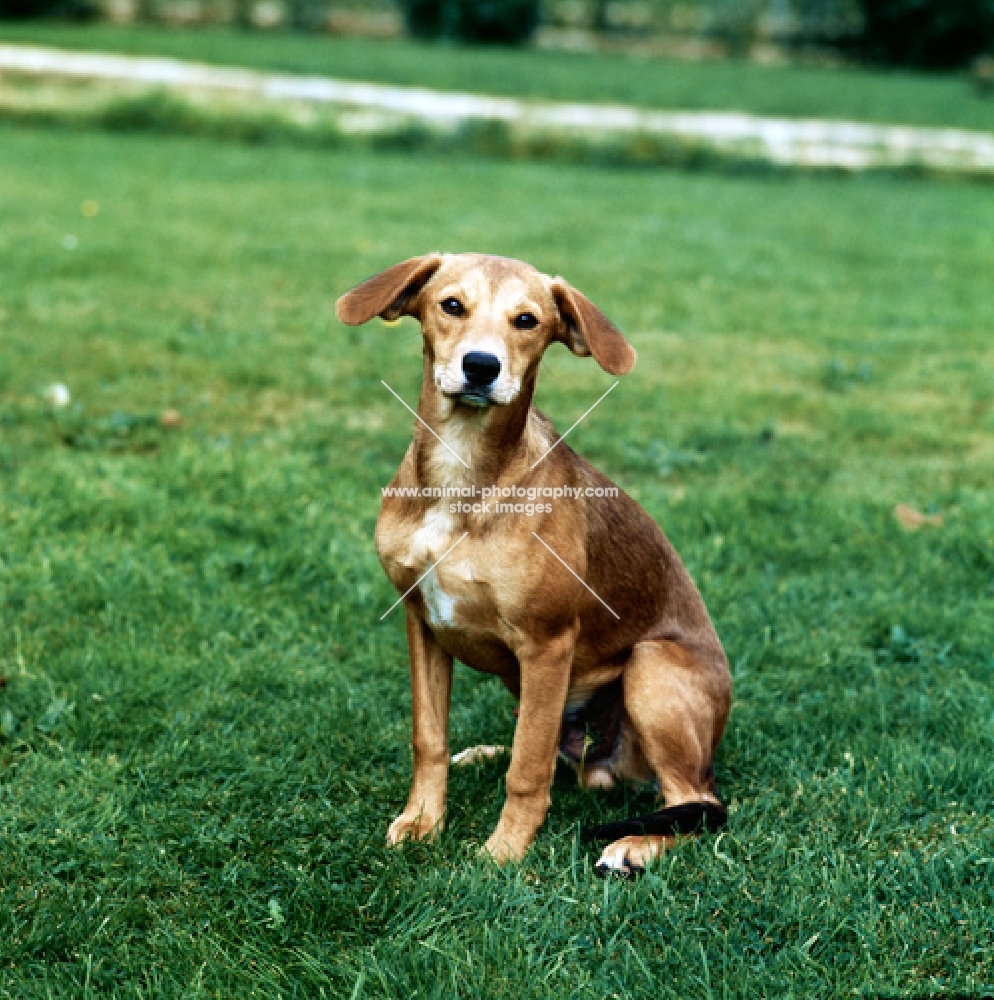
<point>441,606</point>
<point>431,540</point>
<point>429,544</point>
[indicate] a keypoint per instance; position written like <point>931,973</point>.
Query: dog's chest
<point>442,556</point>
<point>439,603</point>
<point>446,574</point>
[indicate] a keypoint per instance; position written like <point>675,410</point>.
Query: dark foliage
<point>501,22</point>
<point>927,34</point>
<point>23,10</point>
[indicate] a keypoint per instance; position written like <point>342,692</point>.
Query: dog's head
<point>487,321</point>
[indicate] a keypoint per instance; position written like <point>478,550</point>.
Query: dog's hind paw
<point>627,858</point>
<point>473,755</point>
<point>606,869</point>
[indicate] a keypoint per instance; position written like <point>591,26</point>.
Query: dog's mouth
<point>474,397</point>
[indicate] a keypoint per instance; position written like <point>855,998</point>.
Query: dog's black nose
<point>480,368</point>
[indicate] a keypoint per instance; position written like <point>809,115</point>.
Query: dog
<point>582,609</point>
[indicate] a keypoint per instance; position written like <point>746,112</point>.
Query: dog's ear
<point>586,330</point>
<point>388,293</point>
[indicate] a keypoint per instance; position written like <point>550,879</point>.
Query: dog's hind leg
<point>677,702</point>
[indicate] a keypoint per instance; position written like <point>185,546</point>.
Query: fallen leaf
<point>171,418</point>
<point>913,519</point>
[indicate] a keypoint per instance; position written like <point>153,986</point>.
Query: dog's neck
<point>462,445</point>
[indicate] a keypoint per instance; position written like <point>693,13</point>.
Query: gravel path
<point>370,106</point>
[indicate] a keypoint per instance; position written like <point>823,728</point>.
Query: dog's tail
<point>689,817</point>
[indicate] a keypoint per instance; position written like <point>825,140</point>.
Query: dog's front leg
<point>545,671</point>
<point>431,684</point>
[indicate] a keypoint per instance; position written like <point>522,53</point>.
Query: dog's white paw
<point>597,778</point>
<point>627,857</point>
<point>473,755</point>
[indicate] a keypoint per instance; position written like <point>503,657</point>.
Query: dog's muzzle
<point>480,370</point>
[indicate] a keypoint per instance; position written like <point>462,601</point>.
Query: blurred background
<point>930,34</point>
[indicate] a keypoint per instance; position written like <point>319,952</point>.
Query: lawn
<point>795,91</point>
<point>204,723</point>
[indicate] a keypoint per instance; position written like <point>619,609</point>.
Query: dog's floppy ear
<point>586,330</point>
<point>388,293</point>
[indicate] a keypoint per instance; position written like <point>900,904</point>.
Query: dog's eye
<point>453,307</point>
<point>526,321</point>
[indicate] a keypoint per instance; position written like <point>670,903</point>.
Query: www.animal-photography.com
<point>496,499</point>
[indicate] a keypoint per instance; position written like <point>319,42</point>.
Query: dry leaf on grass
<point>913,519</point>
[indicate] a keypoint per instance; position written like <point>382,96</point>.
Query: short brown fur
<point>501,601</point>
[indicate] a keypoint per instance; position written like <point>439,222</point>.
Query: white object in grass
<point>473,755</point>
<point>58,395</point>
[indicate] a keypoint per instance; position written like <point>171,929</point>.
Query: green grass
<point>204,723</point>
<point>796,91</point>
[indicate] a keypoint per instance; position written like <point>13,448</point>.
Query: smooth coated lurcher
<point>583,609</point>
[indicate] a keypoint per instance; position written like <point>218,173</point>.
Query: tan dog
<point>582,609</point>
